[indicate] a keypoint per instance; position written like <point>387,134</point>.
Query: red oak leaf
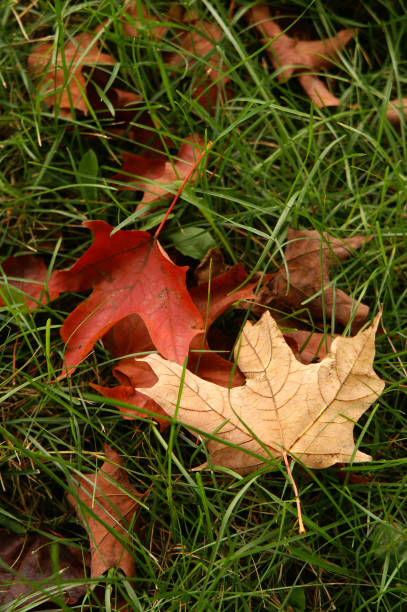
<point>28,273</point>
<point>130,273</point>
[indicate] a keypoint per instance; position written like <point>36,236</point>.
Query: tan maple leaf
<point>62,77</point>
<point>285,407</point>
<point>301,58</point>
<point>105,501</point>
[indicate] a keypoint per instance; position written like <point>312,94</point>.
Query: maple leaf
<point>28,274</point>
<point>28,567</point>
<point>308,257</point>
<point>106,502</point>
<point>63,79</point>
<point>285,407</point>
<point>130,335</point>
<point>155,176</point>
<point>299,57</point>
<point>129,273</point>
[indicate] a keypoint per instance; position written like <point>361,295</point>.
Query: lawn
<point>209,540</point>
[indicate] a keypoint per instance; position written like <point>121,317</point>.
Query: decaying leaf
<point>155,176</point>
<point>28,274</point>
<point>305,411</point>
<point>136,17</point>
<point>308,257</point>
<point>309,347</point>
<point>63,83</point>
<point>106,502</point>
<point>301,58</point>
<point>129,273</point>
<point>29,568</point>
<point>199,43</point>
<point>397,111</point>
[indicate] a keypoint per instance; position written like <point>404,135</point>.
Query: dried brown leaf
<point>106,502</point>
<point>299,57</point>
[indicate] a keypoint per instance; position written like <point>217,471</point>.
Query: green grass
<point>212,541</point>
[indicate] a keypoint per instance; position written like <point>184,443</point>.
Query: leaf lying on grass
<point>129,273</point>
<point>285,407</point>
<point>63,82</point>
<point>308,257</point>
<point>397,111</point>
<point>28,274</point>
<point>106,503</point>
<point>301,58</point>
<point>155,175</point>
<point>31,564</point>
<point>130,335</point>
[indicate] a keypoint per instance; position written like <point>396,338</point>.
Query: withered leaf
<point>397,111</point>
<point>301,58</point>
<point>308,257</point>
<point>155,176</point>
<point>305,411</point>
<point>28,569</point>
<point>106,502</point>
<point>27,273</point>
<point>63,83</point>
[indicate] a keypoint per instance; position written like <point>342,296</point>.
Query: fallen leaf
<point>130,335</point>
<point>299,57</point>
<point>397,111</point>
<point>28,274</point>
<point>308,256</point>
<point>213,264</point>
<point>136,18</point>
<point>29,566</point>
<point>106,503</point>
<point>199,44</point>
<point>309,346</point>
<point>129,273</point>
<point>155,176</point>
<point>63,83</point>
<point>305,411</point>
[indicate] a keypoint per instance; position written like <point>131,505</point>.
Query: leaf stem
<point>301,528</point>
<point>184,182</point>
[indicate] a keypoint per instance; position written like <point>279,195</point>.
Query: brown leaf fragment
<point>27,570</point>
<point>106,502</point>
<point>308,257</point>
<point>397,111</point>
<point>213,264</point>
<point>309,346</point>
<point>156,177</point>
<point>137,18</point>
<point>63,83</point>
<point>299,57</point>
<point>306,411</point>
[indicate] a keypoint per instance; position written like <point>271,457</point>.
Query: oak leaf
<point>285,407</point>
<point>301,58</point>
<point>129,273</point>
<point>308,257</point>
<point>106,503</point>
<point>63,78</point>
